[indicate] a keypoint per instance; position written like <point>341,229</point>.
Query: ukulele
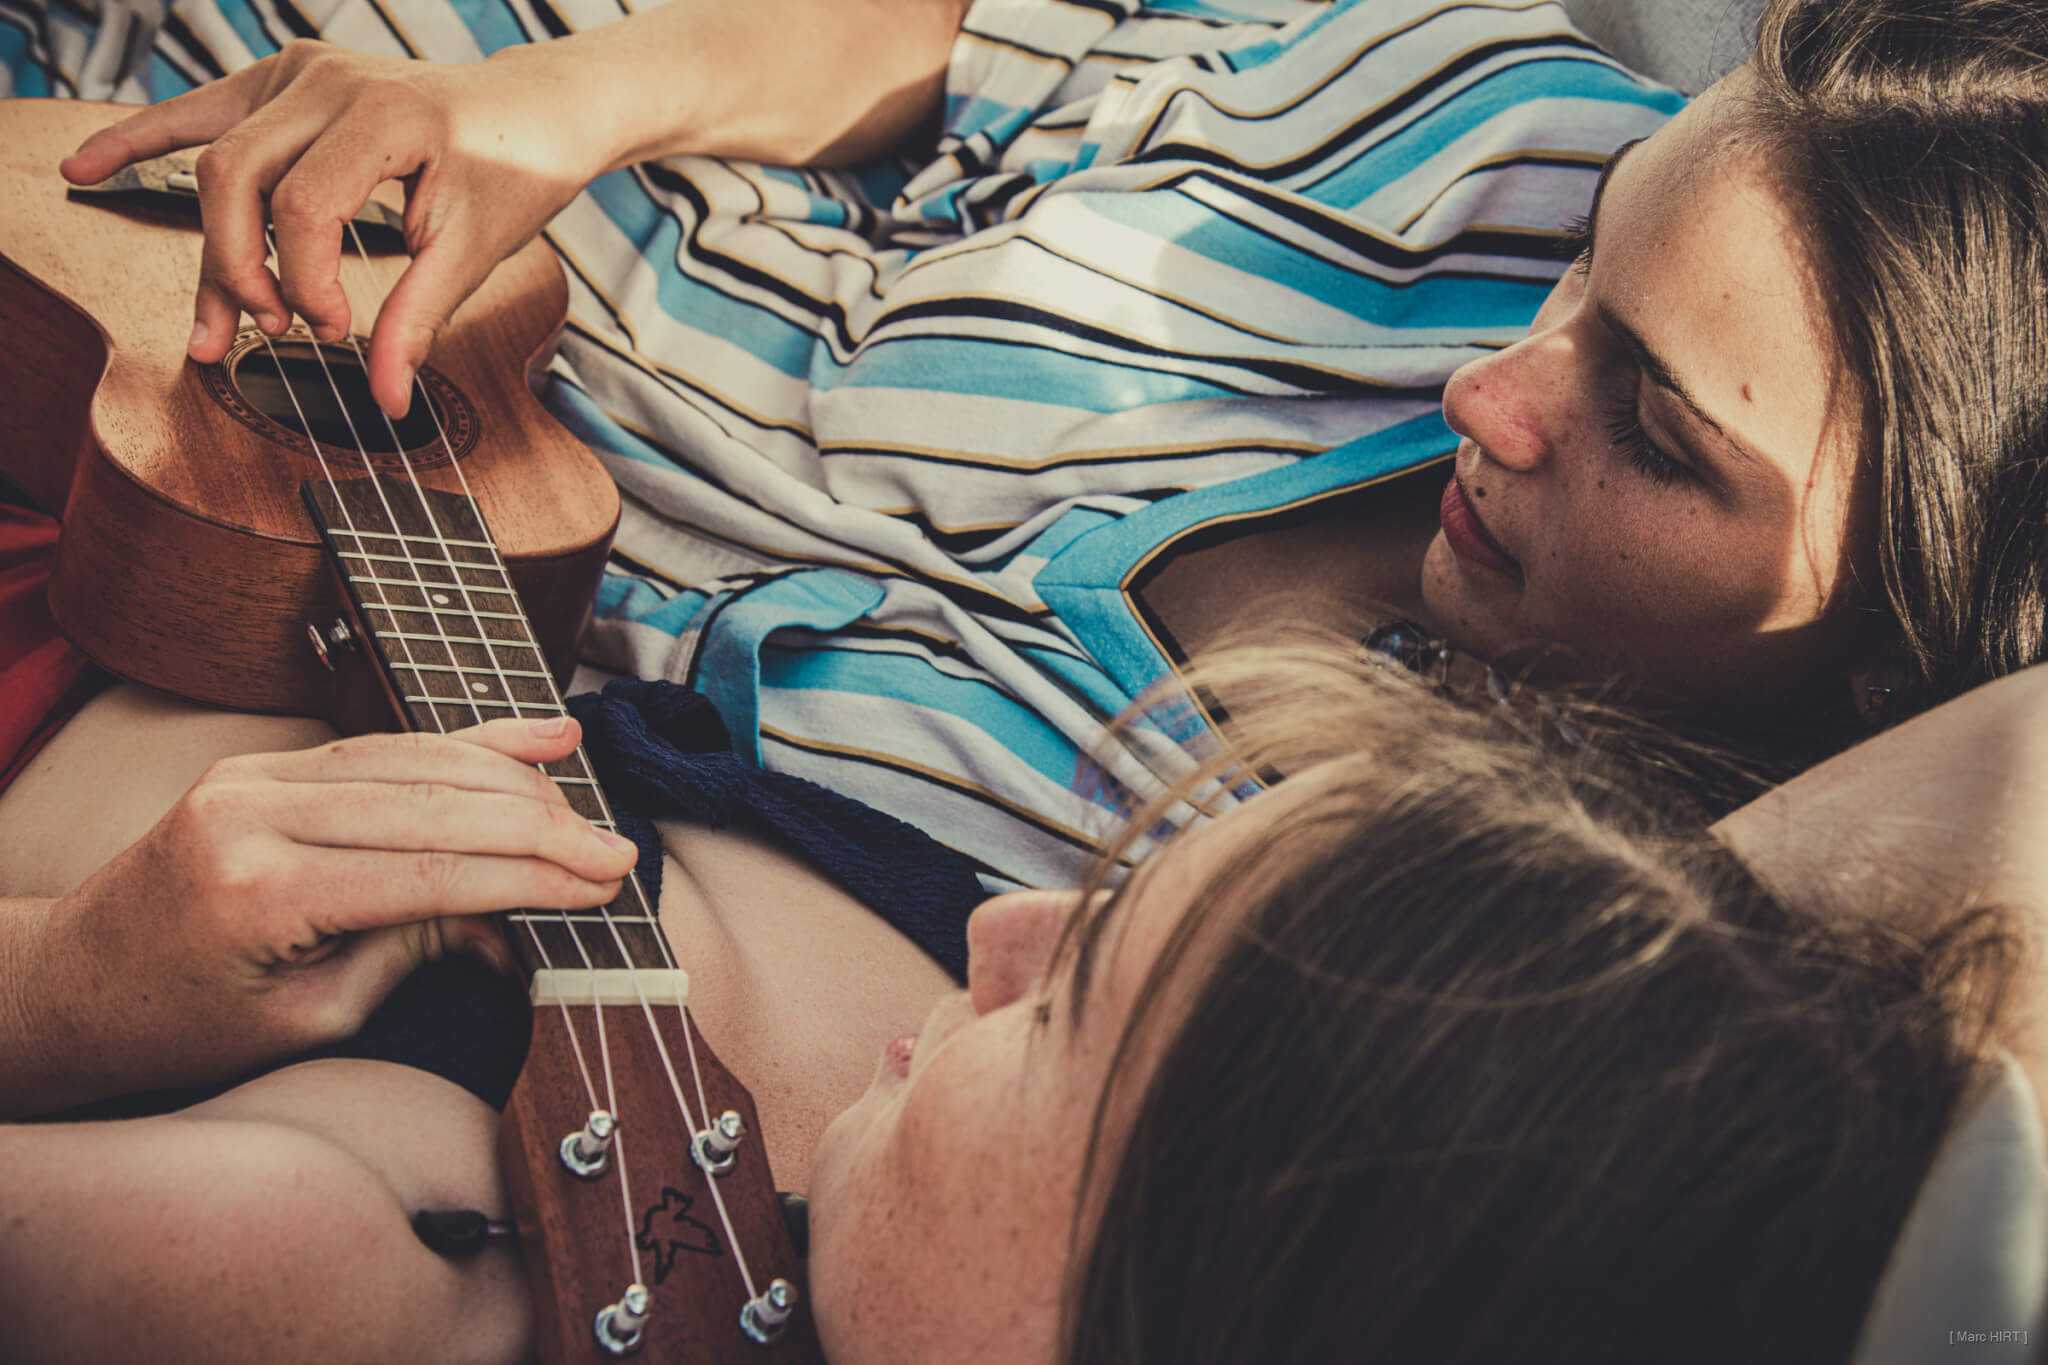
<point>254,534</point>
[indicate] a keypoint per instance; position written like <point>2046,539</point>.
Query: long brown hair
<point>1912,138</point>
<point>1496,1063</point>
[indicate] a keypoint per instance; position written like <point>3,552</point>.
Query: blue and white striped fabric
<point>894,441</point>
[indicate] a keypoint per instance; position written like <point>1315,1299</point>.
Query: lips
<point>1468,537</point>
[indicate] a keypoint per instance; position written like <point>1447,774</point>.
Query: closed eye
<point>1625,429</point>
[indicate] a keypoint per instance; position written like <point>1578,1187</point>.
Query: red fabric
<point>43,677</point>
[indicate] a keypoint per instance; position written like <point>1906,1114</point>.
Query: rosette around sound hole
<point>294,387</point>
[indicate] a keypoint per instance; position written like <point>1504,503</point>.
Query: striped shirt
<point>895,441</point>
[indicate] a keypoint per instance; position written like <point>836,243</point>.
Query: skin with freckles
<point>944,1199</point>
<point>1663,461</point>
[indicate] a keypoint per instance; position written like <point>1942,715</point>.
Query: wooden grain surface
<point>686,1258</point>
<point>188,560</point>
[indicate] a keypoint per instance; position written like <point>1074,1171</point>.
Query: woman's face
<point>942,1202</point>
<point>1659,478</point>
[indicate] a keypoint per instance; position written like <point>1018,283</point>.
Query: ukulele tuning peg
<point>587,1151</point>
<point>621,1327</point>
<point>333,640</point>
<point>766,1315</point>
<point>717,1147</point>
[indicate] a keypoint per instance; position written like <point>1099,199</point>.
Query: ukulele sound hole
<point>335,400</point>
<point>258,391</point>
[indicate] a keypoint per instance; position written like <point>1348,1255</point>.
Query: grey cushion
<point>1685,43</point>
<point>1969,1275</point>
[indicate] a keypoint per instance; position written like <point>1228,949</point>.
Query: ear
<point>1881,690</point>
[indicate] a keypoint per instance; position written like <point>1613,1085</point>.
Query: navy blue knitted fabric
<point>663,753</point>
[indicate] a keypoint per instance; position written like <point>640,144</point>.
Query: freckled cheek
<point>1607,558</point>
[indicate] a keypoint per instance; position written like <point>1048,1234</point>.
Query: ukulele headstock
<point>650,1213</point>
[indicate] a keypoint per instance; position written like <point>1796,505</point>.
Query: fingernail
<point>198,336</point>
<point>618,841</point>
<point>269,322</point>
<point>550,728</point>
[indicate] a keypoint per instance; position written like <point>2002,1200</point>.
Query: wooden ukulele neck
<point>433,603</point>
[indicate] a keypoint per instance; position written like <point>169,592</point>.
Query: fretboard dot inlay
<point>454,664</point>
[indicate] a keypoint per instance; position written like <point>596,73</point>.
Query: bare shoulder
<point>112,772</point>
<point>1946,810</point>
<point>1944,814</point>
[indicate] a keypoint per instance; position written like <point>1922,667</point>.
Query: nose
<point>1514,404</point>
<point>1010,941</point>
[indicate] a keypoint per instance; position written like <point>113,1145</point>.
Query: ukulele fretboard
<point>433,598</point>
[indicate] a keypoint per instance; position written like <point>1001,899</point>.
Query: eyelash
<point>1625,429</point>
<point>1624,423</point>
<point>1575,243</point>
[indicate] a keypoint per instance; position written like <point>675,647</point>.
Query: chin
<point>1453,609</point>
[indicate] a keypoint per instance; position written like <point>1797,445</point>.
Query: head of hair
<point>1499,1060</point>
<point>1911,139</point>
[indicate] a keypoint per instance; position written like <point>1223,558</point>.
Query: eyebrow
<point>1646,357</point>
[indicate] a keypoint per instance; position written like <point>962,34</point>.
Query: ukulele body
<point>187,560</point>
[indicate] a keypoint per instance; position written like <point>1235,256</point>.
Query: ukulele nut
<point>766,1315</point>
<point>587,1151</point>
<point>620,1327</point>
<point>717,1147</point>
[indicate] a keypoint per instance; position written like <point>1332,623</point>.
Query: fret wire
<point>458,668</point>
<point>449,611</point>
<point>369,558</point>
<point>581,917</point>
<point>457,640</point>
<point>418,584</point>
<point>471,701</point>
<point>409,538</point>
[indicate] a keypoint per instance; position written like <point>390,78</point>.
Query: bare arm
<point>491,150</point>
<point>794,82</point>
<point>1947,812</point>
<point>275,903</point>
<point>271,1224</point>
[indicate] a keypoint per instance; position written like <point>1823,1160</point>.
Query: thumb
<point>368,969</point>
<point>373,961</point>
<point>441,276</point>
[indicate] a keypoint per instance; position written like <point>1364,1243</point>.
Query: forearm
<point>50,1056</point>
<point>75,1032</point>
<point>793,82</point>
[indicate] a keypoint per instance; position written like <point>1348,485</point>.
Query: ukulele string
<point>639,892</point>
<point>447,644</point>
<point>404,639</point>
<point>489,546</point>
<point>447,641</point>
<point>384,602</point>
